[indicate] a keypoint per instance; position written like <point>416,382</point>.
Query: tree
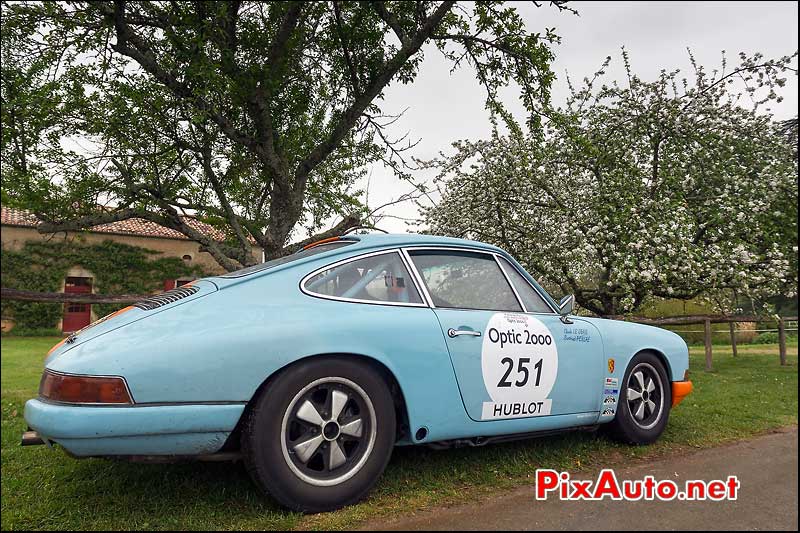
<point>257,116</point>
<point>667,188</point>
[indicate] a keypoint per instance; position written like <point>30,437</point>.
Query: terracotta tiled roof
<point>132,226</point>
<point>17,217</point>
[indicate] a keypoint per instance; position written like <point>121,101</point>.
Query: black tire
<point>627,426</point>
<point>276,432</point>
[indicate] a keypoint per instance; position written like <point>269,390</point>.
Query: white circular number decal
<point>519,360</point>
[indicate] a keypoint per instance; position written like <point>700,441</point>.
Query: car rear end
<point>86,405</point>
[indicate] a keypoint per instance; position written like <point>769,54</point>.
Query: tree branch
<point>233,220</point>
<point>260,98</point>
<point>129,44</point>
<point>475,39</point>
<point>351,115</point>
<point>350,221</point>
<point>173,221</point>
<point>390,20</point>
<point>347,58</point>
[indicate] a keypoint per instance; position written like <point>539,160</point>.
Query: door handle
<point>456,332</point>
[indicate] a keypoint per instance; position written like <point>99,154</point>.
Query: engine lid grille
<point>160,300</point>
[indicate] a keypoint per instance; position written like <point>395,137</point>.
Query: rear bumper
<point>84,431</point>
<point>680,390</point>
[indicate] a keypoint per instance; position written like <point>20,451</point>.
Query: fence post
<point>707,327</point>
<point>782,340</point>
<point>732,326</point>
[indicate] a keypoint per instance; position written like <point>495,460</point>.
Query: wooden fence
<point>707,320</point>
<point>63,297</point>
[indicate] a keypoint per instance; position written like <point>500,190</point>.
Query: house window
<point>74,284</point>
<point>77,308</point>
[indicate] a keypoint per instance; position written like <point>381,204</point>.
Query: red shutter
<point>76,316</point>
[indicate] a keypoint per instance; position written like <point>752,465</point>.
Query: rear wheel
<point>320,434</point>
<point>644,401</point>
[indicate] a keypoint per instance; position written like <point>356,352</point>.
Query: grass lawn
<point>45,489</point>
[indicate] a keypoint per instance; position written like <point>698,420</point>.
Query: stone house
<point>18,226</point>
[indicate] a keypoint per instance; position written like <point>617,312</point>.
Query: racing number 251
<point>522,368</point>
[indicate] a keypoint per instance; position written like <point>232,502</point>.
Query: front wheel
<point>645,399</point>
<point>320,434</point>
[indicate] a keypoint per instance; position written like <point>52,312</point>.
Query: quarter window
<point>464,280</point>
<point>377,278</point>
<point>530,298</point>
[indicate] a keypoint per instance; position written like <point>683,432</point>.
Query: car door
<point>512,355</point>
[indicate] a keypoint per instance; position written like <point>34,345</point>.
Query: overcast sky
<point>443,107</point>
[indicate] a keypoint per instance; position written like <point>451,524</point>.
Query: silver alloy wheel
<point>645,395</point>
<point>328,431</point>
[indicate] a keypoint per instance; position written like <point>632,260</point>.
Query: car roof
<point>376,241</point>
<point>358,244</point>
<point>379,240</point>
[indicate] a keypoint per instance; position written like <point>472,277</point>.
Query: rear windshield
<point>318,249</point>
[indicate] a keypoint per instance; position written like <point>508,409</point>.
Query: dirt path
<point>766,467</point>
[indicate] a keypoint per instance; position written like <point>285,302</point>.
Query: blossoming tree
<point>669,188</point>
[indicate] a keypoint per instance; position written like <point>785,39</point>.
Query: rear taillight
<point>70,388</point>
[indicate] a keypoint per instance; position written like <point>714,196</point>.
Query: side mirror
<point>566,306</point>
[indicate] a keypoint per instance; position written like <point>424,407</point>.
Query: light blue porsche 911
<point>312,367</point>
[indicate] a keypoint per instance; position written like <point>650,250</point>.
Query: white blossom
<point>635,192</point>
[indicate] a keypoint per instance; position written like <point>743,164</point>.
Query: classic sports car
<point>312,367</point>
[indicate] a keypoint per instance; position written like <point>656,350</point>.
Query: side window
<point>464,280</point>
<point>378,278</point>
<point>533,302</point>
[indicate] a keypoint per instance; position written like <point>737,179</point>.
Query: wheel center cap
<point>645,395</point>
<point>331,430</point>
